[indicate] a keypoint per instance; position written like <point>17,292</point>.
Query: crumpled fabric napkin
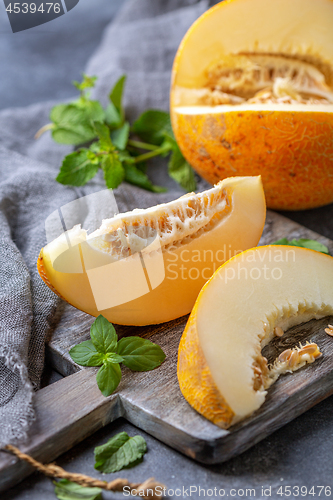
<point>142,43</point>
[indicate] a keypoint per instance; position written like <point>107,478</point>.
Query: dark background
<point>38,65</point>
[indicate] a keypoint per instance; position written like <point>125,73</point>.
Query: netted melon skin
<point>292,151</point>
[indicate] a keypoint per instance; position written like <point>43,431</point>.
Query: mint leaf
<point>282,241</point>
<point>103,335</point>
<point>93,111</point>
<point>72,123</point>
<point>112,357</point>
<point>78,168</point>
<point>112,116</point>
<point>133,175</point>
<point>85,354</point>
<point>103,133</point>
<point>181,171</point>
<point>152,126</point>
<point>114,173</point>
<point>103,452</point>
<point>114,112</point>
<point>304,243</point>
<point>119,452</point>
<point>125,156</point>
<point>120,136</point>
<point>88,82</point>
<point>116,95</point>
<point>108,378</point>
<point>140,354</point>
<point>66,490</point>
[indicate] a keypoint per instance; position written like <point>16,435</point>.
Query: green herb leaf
<point>304,243</point>
<point>125,157</point>
<point>88,82</point>
<point>93,109</point>
<point>120,136</point>
<point>78,168</point>
<point>112,116</point>
<point>181,171</point>
<point>103,133</point>
<point>136,353</point>
<point>103,335</point>
<point>85,354</point>
<point>116,95</point>
<point>140,354</point>
<point>113,358</point>
<point>114,172</point>
<point>119,452</point>
<point>72,123</point>
<point>66,490</point>
<point>108,378</point>
<point>152,126</point>
<point>134,175</point>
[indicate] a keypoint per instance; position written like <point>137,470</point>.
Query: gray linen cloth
<point>141,42</point>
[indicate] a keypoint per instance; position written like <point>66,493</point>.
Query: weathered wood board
<point>73,408</point>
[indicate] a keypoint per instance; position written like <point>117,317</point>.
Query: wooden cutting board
<point>71,409</point>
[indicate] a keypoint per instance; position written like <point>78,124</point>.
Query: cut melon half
<point>148,266</point>
<point>254,296</point>
<point>252,93</point>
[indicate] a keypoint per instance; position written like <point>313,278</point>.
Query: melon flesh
<point>246,299</point>
<point>148,266</point>
<point>255,78</point>
<point>240,48</point>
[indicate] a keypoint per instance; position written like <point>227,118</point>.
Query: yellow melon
<point>252,93</point>
<point>252,297</point>
<point>148,266</point>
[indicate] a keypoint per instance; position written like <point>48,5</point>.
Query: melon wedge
<point>148,266</point>
<point>252,297</point>
<point>252,93</point>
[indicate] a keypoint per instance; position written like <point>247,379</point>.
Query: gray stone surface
<point>297,455</point>
<point>39,65</point>
<point>317,219</point>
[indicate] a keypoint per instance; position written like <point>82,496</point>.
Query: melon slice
<point>252,297</point>
<point>148,266</point>
<point>252,93</point>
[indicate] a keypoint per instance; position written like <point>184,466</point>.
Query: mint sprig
<point>119,452</point>
<point>106,351</point>
<point>72,123</point>
<point>304,243</point>
<point>106,140</point>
